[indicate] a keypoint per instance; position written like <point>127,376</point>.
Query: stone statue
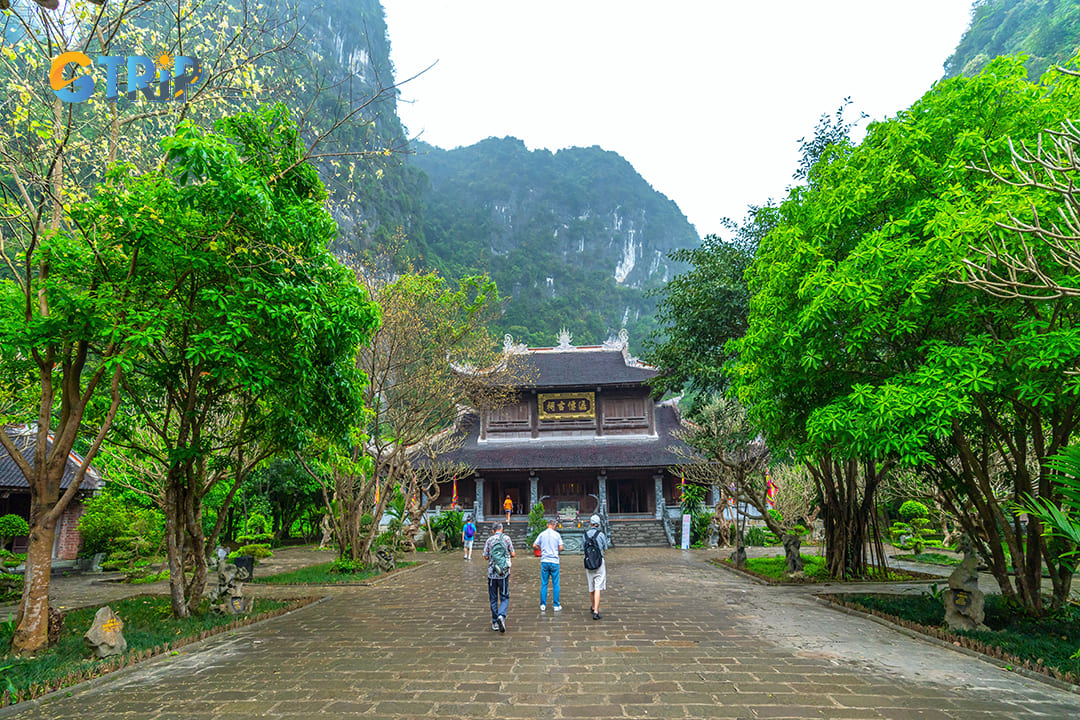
<point>385,559</point>
<point>228,596</point>
<point>327,532</point>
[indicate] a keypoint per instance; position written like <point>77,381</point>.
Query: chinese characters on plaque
<point>567,406</point>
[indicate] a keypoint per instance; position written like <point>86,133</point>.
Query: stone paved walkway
<point>679,638</point>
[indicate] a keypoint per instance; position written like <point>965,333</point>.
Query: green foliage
<point>450,522</point>
<point>11,586</point>
<point>537,523</point>
<point>325,574</point>
<point>12,526</point>
<point>255,550</point>
<point>699,528</point>
<point>256,532</point>
<point>814,567</point>
<point>693,497</point>
<point>755,537</point>
<point>107,517</point>
<point>344,566</point>
<point>913,509</point>
<point>140,542</point>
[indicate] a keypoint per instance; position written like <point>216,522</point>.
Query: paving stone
<point>419,644</point>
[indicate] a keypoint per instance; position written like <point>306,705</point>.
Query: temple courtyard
<point>678,638</point>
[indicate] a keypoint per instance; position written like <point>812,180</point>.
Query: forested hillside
<point>576,237</point>
<point>1048,31</point>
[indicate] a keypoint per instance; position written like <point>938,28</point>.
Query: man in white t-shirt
<point>550,544</point>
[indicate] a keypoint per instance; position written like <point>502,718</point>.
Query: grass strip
<point>1049,645</point>
<point>149,628</point>
<point>773,570</point>
<point>321,575</point>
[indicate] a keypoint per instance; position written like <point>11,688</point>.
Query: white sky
<point>707,99</point>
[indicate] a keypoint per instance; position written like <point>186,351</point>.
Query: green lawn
<point>814,568</point>
<point>1052,641</point>
<point>321,575</point>
<point>149,628</point>
<point>931,558</point>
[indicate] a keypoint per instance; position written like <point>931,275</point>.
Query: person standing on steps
<point>550,544</point>
<point>593,544</point>
<point>498,550</point>
<point>468,532</point>
<point>508,506</point>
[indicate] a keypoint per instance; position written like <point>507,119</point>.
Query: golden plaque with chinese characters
<point>567,406</point>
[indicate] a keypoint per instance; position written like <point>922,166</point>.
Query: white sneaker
<point>558,608</point>
<point>543,608</point>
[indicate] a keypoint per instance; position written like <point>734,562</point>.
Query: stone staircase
<point>638,533</point>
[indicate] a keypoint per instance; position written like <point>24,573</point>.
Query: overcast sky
<point>706,98</point>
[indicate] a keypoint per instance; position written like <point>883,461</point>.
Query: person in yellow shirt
<point>508,506</point>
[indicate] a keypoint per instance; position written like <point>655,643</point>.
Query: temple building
<point>585,436</point>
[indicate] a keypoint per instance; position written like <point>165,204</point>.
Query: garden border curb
<point>165,655</point>
<point>1008,667</point>
<point>852,583</point>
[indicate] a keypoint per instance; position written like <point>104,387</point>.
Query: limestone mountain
<point>577,237</point>
<point>1047,31</point>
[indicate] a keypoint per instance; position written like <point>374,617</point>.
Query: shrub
<point>755,537</point>
<point>699,528</point>
<point>344,566</point>
<point>256,550</point>
<point>537,523</point>
<point>11,586</point>
<point>11,527</point>
<point>912,509</point>
<point>450,523</point>
<point>132,552</point>
<point>256,531</point>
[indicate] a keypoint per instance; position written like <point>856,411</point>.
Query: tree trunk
<point>32,631</point>
<point>792,553</point>
<point>174,548</point>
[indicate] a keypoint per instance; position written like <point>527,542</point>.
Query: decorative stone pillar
<point>601,492</point>
<point>534,489</point>
<point>658,489</point>
<point>478,508</point>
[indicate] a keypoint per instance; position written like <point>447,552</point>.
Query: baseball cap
<point>594,520</point>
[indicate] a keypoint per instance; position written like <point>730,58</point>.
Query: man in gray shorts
<point>597,578</point>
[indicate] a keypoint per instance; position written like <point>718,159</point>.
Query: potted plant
<point>537,525</point>
<point>254,545</point>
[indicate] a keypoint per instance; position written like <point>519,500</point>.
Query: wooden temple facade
<point>585,435</point>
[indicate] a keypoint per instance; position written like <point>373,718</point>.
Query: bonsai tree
<point>256,539</point>
<point>11,527</point>
<point>537,524</point>
<point>908,532</point>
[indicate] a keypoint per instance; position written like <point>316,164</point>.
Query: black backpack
<point>593,557</point>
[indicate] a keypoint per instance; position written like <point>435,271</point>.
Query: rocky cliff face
<point>577,237</point>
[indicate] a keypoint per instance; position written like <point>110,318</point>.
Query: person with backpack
<point>498,550</point>
<point>467,534</point>
<point>593,544</point>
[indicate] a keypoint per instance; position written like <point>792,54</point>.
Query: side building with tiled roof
<point>15,493</point>
<point>585,435</point>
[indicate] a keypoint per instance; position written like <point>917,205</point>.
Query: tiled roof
<point>585,368</point>
<point>580,452</point>
<point>24,438</point>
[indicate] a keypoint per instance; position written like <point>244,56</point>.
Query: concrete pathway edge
<point>1009,667</point>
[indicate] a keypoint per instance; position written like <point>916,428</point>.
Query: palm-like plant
<point>1063,521</point>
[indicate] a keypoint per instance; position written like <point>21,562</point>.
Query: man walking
<point>498,550</point>
<point>594,543</point>
<point>468,532</point>
<point>550,544</point>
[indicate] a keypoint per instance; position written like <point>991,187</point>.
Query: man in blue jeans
<point>498,550</point>
<point>550,544</point>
